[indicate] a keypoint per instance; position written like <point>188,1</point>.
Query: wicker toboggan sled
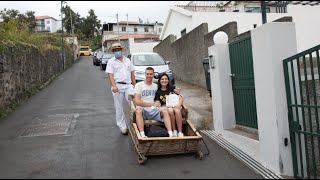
<point>152,146</point>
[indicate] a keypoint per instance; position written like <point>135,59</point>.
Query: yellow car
<point>84,51</point>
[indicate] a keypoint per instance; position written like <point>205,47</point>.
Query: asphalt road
<point>68,130</point>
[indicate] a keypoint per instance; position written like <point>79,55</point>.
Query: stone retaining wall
<point>24,69</point>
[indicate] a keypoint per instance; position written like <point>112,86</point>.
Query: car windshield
<point>147,60</point>
<point>84,49</point>
<point>107,56</point>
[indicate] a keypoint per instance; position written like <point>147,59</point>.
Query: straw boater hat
<point>116,46</point>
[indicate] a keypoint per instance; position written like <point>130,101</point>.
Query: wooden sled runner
<point>152,146</point>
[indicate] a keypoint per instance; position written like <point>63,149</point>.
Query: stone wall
<point>24,69</point>
<point>187,53</point>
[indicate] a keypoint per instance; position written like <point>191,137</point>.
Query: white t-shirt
<point>146,91</point>
<point>121,70</point>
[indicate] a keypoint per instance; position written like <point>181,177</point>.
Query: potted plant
<point>220,7</point>
<point>235,5</point>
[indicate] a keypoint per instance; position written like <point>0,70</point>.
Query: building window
<point>123,28</point>
<point>135,29</point>
<point>183,32</point>
<point>48,28</point>
<point>48,22</point>
<point>160,29</point>
<point>146,29</point>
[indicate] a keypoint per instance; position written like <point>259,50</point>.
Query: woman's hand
<point>176,90</point>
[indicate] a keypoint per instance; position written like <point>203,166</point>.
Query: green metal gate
<point>242,76</point>
<point>302,81</point>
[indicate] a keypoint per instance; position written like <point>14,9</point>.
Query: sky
<point>105,10</point>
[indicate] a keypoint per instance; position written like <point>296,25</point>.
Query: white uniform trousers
<point>124,91</point>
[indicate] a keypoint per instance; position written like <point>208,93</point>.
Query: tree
<point>90,23</point>
<point>70,15</point>
<point>25,21</point>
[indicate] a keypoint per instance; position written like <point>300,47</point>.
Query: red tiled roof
<point>42,17</point>
<point>136,36</point>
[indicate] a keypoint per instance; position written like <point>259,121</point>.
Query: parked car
<point>143,60</point>
<point>104,60</point>
<point>97,59</point>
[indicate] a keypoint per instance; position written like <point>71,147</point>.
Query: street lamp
<point>62,44</point>
<point>263,12</point>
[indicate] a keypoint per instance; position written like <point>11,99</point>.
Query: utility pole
<point>118,28</point>
<point>127,25</point>
<point>263,12</point>
<point>62,44</point>
<point>72,32</point>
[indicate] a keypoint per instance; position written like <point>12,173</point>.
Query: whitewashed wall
<point>305,17</point>
<point>271,44</point>
<point>141,47</point>
<point>307,20</point>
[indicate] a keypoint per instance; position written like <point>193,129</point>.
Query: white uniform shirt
<point>146,91</point>
<point>121,70</point>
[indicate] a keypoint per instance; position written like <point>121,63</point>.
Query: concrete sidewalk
<point>199,104</point>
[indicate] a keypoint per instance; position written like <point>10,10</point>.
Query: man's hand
<point>115,89</point>
<point>158,104</point>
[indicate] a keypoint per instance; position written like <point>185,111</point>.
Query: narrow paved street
<point>68,130</point>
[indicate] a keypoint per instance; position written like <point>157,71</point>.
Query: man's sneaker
<point>180,134</point>
<point>124,131</point>
<point>144,136</point>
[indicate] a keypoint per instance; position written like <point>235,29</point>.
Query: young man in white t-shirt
<point>144,93</point>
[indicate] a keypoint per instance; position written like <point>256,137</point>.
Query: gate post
<point>221,87</point>
<point>271,43</point>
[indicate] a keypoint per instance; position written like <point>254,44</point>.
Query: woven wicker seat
<point>152,146</point>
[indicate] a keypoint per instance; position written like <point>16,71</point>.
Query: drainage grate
<point>250,162</point>
<point>60,124</point>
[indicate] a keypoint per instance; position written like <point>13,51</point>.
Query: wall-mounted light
<point>211,59</point>
<point>220,38</point>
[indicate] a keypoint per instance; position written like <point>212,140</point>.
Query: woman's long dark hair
<point>159,84</point>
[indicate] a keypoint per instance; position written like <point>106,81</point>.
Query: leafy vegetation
<point>17,27</point>
<point>13,30</point>
<point>84,27</point>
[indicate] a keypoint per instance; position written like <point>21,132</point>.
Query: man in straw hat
<point>122,78</point>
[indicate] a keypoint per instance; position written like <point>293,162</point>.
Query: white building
<point>306,19</point>
<point>141,33</point>
<point>110,30</point>
<point>47,24</point>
